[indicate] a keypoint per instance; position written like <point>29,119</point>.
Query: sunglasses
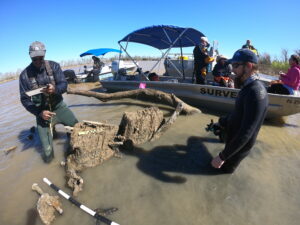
<point>236,65</point>
<point>34,59</point>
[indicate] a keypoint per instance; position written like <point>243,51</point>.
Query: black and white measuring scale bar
<point>78,204</point>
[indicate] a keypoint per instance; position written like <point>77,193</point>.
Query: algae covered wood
<point>93,142</point>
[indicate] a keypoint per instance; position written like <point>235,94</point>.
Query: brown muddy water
<point>159,182</point>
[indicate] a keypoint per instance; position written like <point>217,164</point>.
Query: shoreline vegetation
<point>266,64</point>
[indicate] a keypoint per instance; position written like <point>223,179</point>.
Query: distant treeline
<point>267,65</point>
<point>67,64</point>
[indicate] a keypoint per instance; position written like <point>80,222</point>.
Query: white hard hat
<point>204,39</point>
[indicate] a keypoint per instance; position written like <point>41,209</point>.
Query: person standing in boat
<point>48,106</point>
<point>201,60</point>
<point>289,82</point>
<point>251,47</point>
<point>243,124</point>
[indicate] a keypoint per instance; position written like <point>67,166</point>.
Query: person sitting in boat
<point>288,83</point>
<point>222,71</point>
<point>201,60</point>
<point>251,47</point>
<point>93,75</point>
<point>85,71</point>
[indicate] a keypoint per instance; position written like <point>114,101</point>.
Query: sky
<point>69,28</point>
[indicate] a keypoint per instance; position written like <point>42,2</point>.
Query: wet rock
<point>47,205</point>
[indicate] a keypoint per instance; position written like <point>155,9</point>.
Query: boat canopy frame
<point>163,37</point>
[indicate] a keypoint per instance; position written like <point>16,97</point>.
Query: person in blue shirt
<point>243,124</point>
<point>48,106</point>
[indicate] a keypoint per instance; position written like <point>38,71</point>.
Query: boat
<point>106,71</point>
<point>174,66</point>
<point>220,99</point>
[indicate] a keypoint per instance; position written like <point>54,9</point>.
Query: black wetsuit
<point>243,124</point>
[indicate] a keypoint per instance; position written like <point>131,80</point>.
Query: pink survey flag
<point>142,85</point>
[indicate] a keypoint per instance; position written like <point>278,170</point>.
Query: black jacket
<point>199,55</point>
<point>251,47</point>
<point>244,122</point>
<point>42,79</point>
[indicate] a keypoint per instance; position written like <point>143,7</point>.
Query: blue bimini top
<point>99,51</point>
<point>165,36</point>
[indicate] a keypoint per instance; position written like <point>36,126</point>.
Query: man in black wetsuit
<point>243,124</point>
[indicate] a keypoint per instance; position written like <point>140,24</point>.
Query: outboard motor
<point>116,65</point>
<point>70,76</point>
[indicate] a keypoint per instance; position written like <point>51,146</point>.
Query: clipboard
<point>35,91</point>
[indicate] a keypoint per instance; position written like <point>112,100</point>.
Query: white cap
<point>37,49</point>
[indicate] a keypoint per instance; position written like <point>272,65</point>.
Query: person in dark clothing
<point>97,62</point>
<point>243,124</point>
<point>222,72</point>
<point>48,106</point>
<point>201,60</point>
<point>251,47</point>
<point>93,75</point>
